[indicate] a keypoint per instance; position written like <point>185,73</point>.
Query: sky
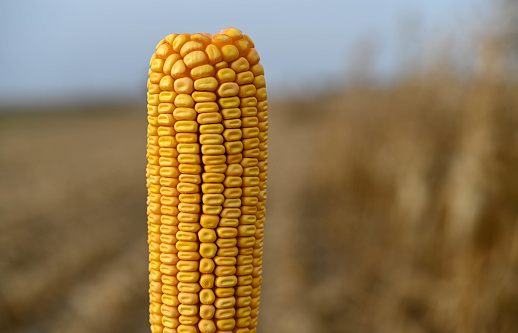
<point>60,50</point>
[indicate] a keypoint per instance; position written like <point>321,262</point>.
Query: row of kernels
<point>262,115</point>
<point>189,200</point>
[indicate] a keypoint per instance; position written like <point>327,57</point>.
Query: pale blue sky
<point>58,49</point>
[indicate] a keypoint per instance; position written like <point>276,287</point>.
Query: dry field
<point>389,210</point>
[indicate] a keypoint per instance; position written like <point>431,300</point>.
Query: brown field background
<point>390,209</point>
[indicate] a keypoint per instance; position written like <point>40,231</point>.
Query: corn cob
<point>206,179</point>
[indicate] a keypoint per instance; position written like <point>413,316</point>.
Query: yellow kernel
<point>153,99</point>
<point>167,161</point>
<point>226,75</point>
<point>206,325</point>
<point>207,265</point>
<point>184,100</point>
<point>206,235</point>
<point>212,188</point>
<point>226,281</point>
<point>170,38</point>
<point>214,159</point>
<point>232,113</point>
<point>233,193</point>
<point>229,102</point>
<point>213,149</point>
<point>207,84</point>
<point>225,270</point>
<point>242,46</point>
<point>244,77</point>
<point>169,302</point>
<point>234,147</point>
<point>188,298</point>
<point>157,65</point>
<point>207,311</point>
<point>261,94</point>
<point>208,250</point>
<point>165,119</point>
<point>186,137</point>
<point>251,143</point>
<point>213,53</point>
<point>231,181</point>
<point>168,269</point>
<point>163,51</point>
<point>196,58</point>
<point>233,33</point>
<point>216,168</point>
<point>153,88</point>
<point>213,177</point>
<point>189,208</point>
<point>263,126</point>
<point>211,139</point>
<point>249,111</point>
<point>240,65</point>
<point>250,121</point>
<point>165,130</point>
<point>262,106</point>
<point>155,77</point>
<point>209,221</point>
<point>248,101</point>
<point>190,168</point>
<point>213,199</point>
<point>203,38</point>
<point>221,39</point>
<point>202,71</point>
<point>225,302</point>
<point>189,47</point>
<point>207,280</point>
<point>204,96</point>
<point>225,261</point>
<point>184,85</point>
<point>257,69</point>
<point>187,266</point>
<point>189,158</point>
<point>187,309</point>
<point>186,126</point>
<point>179,41</point>
<point>166,107</point>
<point>210,129</point>
<point>186,246</point>
<point>203,107</point>
<point>169,172</point>
<point>259,81</point>
<point>229,53</point>
<point>169,62</point>
<point>228,89</point>
<point>166,83</point>
<point>167,96</point>
<point>179,70</point>
<point>232,134</point>
<point>253,56</point>
<point>187,188</point>
<point>224,313</point>
<point>247,90</point>
<point>184,114</point>
<point>209,118</point>
<point>235,170</point>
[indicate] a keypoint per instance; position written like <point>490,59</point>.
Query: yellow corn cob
<point>206,179</point>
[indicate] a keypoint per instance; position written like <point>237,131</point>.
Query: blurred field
<point>390,210</point>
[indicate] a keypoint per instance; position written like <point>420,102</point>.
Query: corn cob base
<point>206,179</point>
